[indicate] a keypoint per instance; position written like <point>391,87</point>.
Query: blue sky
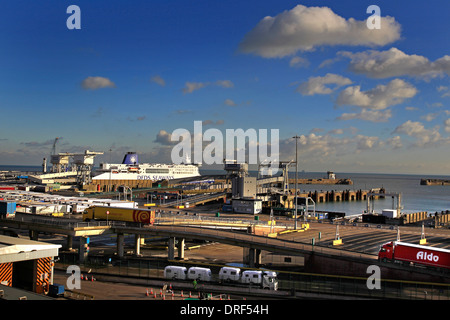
<point>136,71</point>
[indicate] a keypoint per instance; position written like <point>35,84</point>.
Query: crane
<point>54,145</point>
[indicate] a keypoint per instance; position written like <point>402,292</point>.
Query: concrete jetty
<point>435,182</point>
<point>340,195</point>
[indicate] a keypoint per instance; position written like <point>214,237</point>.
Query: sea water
<point>414,196</point>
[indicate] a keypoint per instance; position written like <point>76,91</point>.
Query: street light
<point>296,179</point>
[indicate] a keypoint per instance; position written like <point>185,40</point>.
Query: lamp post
<point>110,186</point>
<point>296,179</point>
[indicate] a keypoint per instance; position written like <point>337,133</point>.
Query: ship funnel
<point>130,158</point>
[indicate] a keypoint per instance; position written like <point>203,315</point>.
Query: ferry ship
<point>131,169</point>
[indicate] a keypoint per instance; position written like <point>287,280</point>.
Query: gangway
<point>382,194</point>
<point>196,200</point>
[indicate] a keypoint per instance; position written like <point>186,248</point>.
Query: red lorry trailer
<point>417,254</point>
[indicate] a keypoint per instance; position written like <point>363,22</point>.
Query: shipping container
<point>119,214</point>
<point>413,253</point>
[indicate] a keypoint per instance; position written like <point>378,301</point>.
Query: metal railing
<point>164,218</point>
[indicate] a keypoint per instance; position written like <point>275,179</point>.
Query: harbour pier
<point>435,182</point>
<point>340,195</point>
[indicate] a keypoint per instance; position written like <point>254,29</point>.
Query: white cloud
<point>434,105</point>
<point>395,142</point>
<point>378,98</point>
<point>230,103</point>
<point>326,146</point>
<point>157,79</point>
<point>395,63</point>
<point>411,128</point>
<point>368,115</point>
<point>164,138</point>
<point>365,142</point>
<point>430,116</point>
<point>211,122</point>
<point>304,28</point>
<point>95,83</point>
<point>207,122</point>
<point>423,136</point>
<point>225,83</point>
<point>336,131</point>
<point>445,90</point>
<point>328,62</point>
<point>313,145</point>
<point>298,62</point>
<point>317,85</point>
<point>447,125</point>
<point>193,86</point>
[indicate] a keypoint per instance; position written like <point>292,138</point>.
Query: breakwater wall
<point>322,181</point>
<point>415,217</point>
<point>441,219</point>
<point>434,182</point>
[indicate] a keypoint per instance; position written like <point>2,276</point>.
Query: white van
<point>175,272</point>
<point>229,274</point>
<point>265,279</point>
<point>197,273</point>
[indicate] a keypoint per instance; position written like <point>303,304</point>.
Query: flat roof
<point>14,249</point>
<point>11,293</point>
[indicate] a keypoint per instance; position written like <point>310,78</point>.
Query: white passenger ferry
<point>131,169</point>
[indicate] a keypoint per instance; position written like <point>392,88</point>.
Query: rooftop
<point>14,249</point>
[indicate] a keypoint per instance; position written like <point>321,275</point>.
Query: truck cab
<point>269,282</point>
<point>386,252</point>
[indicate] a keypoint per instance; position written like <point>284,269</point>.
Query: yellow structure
<point>119,214</point>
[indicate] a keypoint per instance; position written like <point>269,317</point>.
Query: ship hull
<point>138,176</point>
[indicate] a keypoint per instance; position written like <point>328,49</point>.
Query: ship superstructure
<point>131,169</point>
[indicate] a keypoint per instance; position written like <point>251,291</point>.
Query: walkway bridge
<point>196,200</point>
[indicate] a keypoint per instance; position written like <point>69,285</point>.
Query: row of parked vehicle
<point>264,278</point>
